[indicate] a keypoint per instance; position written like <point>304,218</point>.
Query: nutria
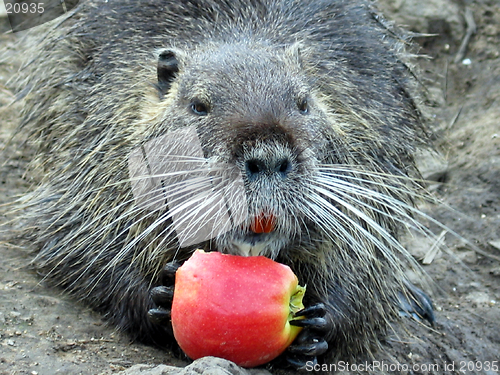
<point>300,114</point>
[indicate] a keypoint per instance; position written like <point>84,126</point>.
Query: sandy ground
<point>42,331</point>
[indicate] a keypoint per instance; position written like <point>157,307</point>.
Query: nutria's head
<point>256,115</point>
<point>253,156</point>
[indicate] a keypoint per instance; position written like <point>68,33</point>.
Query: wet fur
<point>92,97</point>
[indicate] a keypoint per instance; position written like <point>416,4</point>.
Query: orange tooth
<point>264,223</point>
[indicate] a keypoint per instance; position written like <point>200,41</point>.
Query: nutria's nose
<point>257,167</point>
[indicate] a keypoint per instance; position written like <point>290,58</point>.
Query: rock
<point>419,246</point>
<point>202,366</point>
<point>495,244</point>
<point>443,17</point>
<point>469,257</point>
<point>432,165</point>
<point>495,271</point>
<point>478,297</point>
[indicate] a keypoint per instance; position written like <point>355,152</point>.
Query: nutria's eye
<point>303,106</point>
<point>199,108</point>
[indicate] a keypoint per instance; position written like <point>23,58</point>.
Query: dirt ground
<point>42,331</point>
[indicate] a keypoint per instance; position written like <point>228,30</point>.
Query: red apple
<point>235,307</point>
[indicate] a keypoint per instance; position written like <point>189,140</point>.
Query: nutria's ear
<point>294,53</point>
<point>169,61</point>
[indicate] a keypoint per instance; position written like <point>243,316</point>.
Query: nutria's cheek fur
<point>163,126</point>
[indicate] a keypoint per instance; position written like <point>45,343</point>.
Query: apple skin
<point>235,307</point>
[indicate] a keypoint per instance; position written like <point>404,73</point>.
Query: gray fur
<point>93,96</point>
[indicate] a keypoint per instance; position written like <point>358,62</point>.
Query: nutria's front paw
<point>310,343</point>
<point>163,296</point>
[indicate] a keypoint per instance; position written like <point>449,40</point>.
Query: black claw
<point>162,295</point>
<point>314,318</point>
<point>308,344</point>
<point>317,324</point>
<point>301,362</point>
<point>316,348</point>
<point>168,273</point>
<point>159,316</point>
<point>317,310</point>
